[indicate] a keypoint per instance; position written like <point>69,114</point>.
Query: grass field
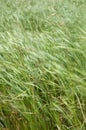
<point>42,64</point>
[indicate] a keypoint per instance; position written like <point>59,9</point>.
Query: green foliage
<point>43,65</point>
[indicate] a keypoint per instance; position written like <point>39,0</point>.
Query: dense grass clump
<point>42,65</point>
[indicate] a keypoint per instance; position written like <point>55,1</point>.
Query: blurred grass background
<point>43,64</point>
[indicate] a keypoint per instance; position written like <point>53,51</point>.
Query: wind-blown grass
<point>43,65</point>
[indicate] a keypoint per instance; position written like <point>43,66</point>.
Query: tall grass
<point>42,65</point>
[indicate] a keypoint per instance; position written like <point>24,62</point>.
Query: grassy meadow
<point>42,64</point>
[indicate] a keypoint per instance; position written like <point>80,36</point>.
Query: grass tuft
<point>42,65</point>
